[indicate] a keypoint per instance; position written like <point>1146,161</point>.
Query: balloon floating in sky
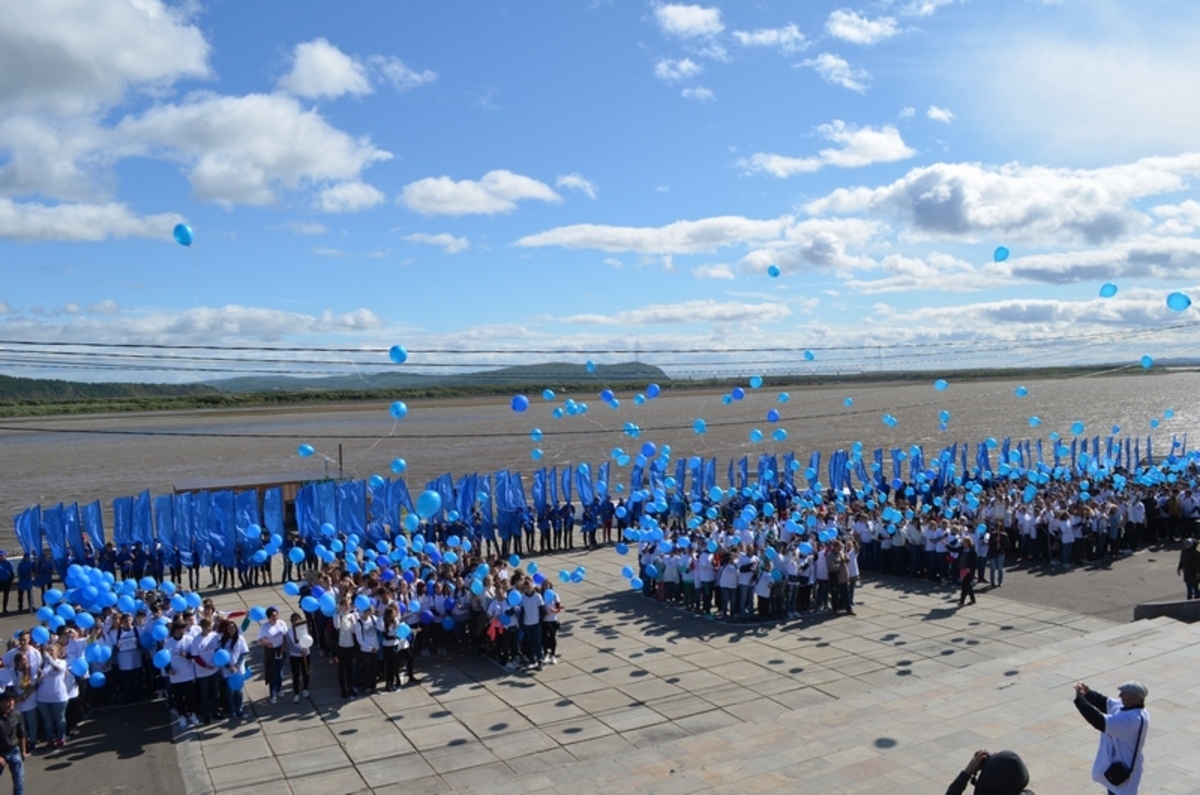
<point>1020,391</point>
<point>940,385</point>
<point>772,416</point>
<point>547,394</point>
<point>536,455</point>
<point>591,366</point>
<point>779,435</point>
<point>809,356</point>
<point>429,503</point>
<point>890,421</point>
<point>1034,422</point>
<point>773,271</point>
<point>1108,290</point>
<point>1000,254</point>
<point>305,450</point>
<point>1147,362</point>
<point>398,354</point>
<point>738,393</point>
<point>848,402</point>
<point>784,397</point>
<point>1077,428</point>
<point>653,391</point>
<point>398,410</point>
<point>1178,302</point>
<point>399,465</point>
<point>536,434</point>
<point>755,381</point>
<point>183,234</point>
<point>520,403</point>
<point>700,426</point>
<point>756,435</point>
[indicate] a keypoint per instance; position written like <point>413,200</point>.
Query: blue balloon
<point>738,393</point>
<point>1077,428</point>
<point>779,435</point>
<point>236,682</point>
<point>756,381</point>
<point>1147,362</point>
<point>1000,254</point>
<point>361,602</point>
<point>809,356</point>
<point>1178,302</point>
<point>40,635</point>
<point>756,435</point>
<point>258,613</point>
<point>653,391</point>
<point>79,667</point>
<point>398,354</point>
<point>1108,290</point>
<point>429,503</point>
<point>547,394</point>
<point>940,385</point>
<point>399,465</point>
<point>398,410</point>
<point>848,402</point>
<point>183,234</point>
<point>97,680</point>
<point>700,426</point>
<point>162,658</point>
<point>773,271</point>
<point>305,450</point>
<point>514,598</point>
<point>773,416</point>
<point>520,403</point>
<point>636,584</point>
<point>309,604</point>
<point>590,366</point>
<point>296,555</point>
<point>536,434</point>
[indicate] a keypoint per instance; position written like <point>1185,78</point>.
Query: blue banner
<point>202,528</point>
<point>164,523</point>
<point>73,530</point>
<point>184,536</point>
<point>93,524</point>
<point>52,526</point>
<point>552,483</point>
<point>273,511</point>
<point>246,525</point>
<point>143,522</point>
<point>538,489</point>
<point>464,497</point>
<point>351,498</point>
<point>583,484</point>
<point>566,483</point>
<point>123,521</point>
<point>28,527</point>
<point>487,518</point>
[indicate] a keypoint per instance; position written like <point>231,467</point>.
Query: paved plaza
<point>650,698</point>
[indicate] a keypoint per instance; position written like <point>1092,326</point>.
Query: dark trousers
<point>368,668</point>
<point>299,666</point>
<point>207,696</point>
<point>345,669</point>
<point>391,667</point>
<point>183,697</point>
<point>550,637</point>
<point>968,588</point>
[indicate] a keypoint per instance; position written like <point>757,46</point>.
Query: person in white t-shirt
<point>550,622</point>
<point>531,608</point>
<point>298,642</point>
<point>52,695</point>
<point>204,646</point>
<point>271,634</point>
<point>1124,726</point>
<point>181,673</point>
<point>707,577</point>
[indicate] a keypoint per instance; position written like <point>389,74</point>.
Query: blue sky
<point>590,176</point>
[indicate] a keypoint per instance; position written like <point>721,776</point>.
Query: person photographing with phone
<point>1001,773</point>
<point>1124,724</point>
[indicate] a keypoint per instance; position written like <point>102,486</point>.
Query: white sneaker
<point>193,721</point>
<point>295,699</point>
<point>553,660</point>
<point>304,693</point>
<point>272,699</point>
<point>183,724</point>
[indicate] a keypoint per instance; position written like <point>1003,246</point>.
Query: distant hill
<point>39,389</point>
<point>552,374</point>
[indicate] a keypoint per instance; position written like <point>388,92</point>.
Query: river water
<point>65,459</point>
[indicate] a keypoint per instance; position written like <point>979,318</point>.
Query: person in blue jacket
<point>25,571</point>
<point>7,575</point>
<point>45,574</point>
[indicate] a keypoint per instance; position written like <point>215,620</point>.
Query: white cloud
<point>936,272</point>
<point>1015,202</point>
<point>241,150</point>
<point>76,57</point>
<point>859,146</point>
<point>837,70</point>
<point>614,263</point>
<point>29,222</point>
<point>699,94</point>
<point>306,227</point>
<point>400,75</point>
<point>907,113</point>
<point>105,307</point>
<point>681,237</point>
<point>349,197</point>
<point>497,192</point>
<point>688,21</point>
<point>853,27</point>
<point>1178,219</point>
<point>822,244</point>
<point>674,71</point>
<point>702,311</point>
<point>718,270</point>
<point>787,39</point>
<point>939,114</point>
<point>1167,259</point>
<point>449,243</point>
<point>576,182</point>
<point>320,70</point>
<point>923,8</point>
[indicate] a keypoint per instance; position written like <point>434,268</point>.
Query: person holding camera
<point>1124,724</point>
<point>1001,773</point>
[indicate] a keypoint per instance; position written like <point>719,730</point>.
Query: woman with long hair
<point>52,695</point>
<point>298,656</point>
<point>233,642</point>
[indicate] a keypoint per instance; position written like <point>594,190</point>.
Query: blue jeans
<point>1066,552</point>
<point>996,569</point>
<point>533,637</point>
<point>54,719</point>
<point>31,725</point>
<point>16,765</point>
<point>745,603</point>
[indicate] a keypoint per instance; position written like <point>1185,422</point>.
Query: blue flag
<point>73,530</point>
<point>583,484</point>
<point>351,500</point>
<point>273,511</point>
<point>143,522</point>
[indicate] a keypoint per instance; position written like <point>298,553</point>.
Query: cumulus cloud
<point>681,237</point>
<point>320,70</point>
<point>939,114</point>
<point>670,70</point>
<point>1176,219</point>
<point>703,311</point>
<point>837,70</point>
<point>496,192</point>
<point>1168,259</point>
<point>576,182</point>
<point>816,244</point>
<point>69,58</point>
<point>306,227</point>
<point>349,197</point>
<point>699,94</point>
<point>788,39</point>
<point>855,28</point>
<point>859,146</point>
<point>1016,202</point>
<point>718,270</point>
<point>241,150</point>
<point>30,222</point>
<point>688,21</point>
<point>400,75</point>
<point>449,243</point>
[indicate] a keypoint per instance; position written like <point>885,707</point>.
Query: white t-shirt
<point>530,612</point>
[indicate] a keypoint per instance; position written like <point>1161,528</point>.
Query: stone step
<point>913,738</point>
